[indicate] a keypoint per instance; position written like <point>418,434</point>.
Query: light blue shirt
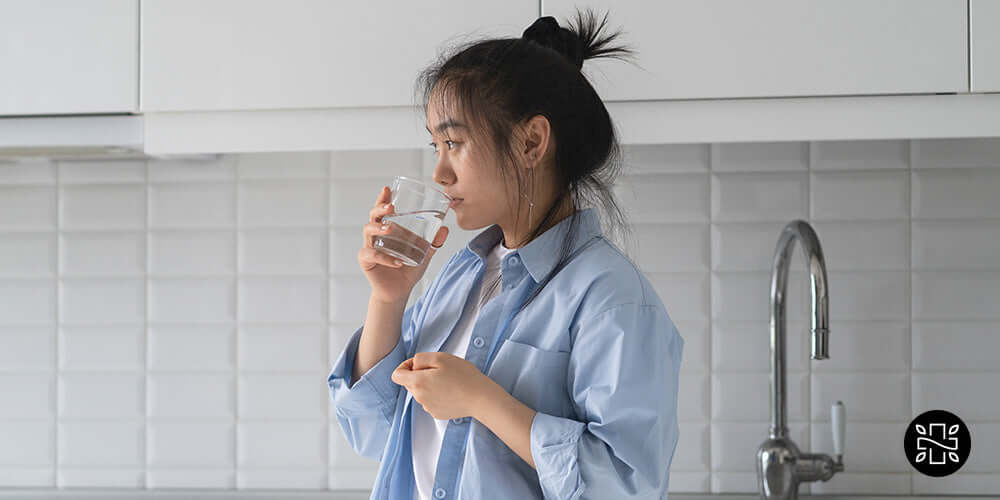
<point>595,354</point>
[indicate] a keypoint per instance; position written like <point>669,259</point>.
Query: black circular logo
<point>937,443</point>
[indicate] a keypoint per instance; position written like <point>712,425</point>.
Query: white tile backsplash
<point>672,247</point>
<point>283,251</point>
<point>282,300</point>
<point>190,395</point>
<point>854,155</point>
<point>26,443</point>
<point>27,301</point>
<point>955,345</point>
<point>194,300</point>
<point>282,203</point>
<point>104,348</point>
<point>191,444</point>
<point>112,443</point>
<point>35,171</point>
<point>103,253</point>
<point>27,348</point>
<point>950,153</point>
<point>27,395</point>
<point>935,248</point>
<point>170,348</point>
<point>207,170</point>
<point>192,205</point>
<point>761,156</point>
<point>657,198</point>
<point>192,252</point>
<point>101,171</point>
<point>102,300</point>
<point>100,395</point>
<point>279,395</point>
<point>27,207</point>
<point>90,206</point>
<point>673,158</point>
<point>860,195</point>
<point>760,196</point>
<point>956,193</point>
<point>283,444</point>
<point>28,254</point>
<point>170,324</point>
<point>692,396</point>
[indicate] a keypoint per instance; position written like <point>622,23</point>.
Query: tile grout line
<point>236,160</point>
<point>713,157</point>
<point>58,307</point>
<point>911,149</point>
<point>810,163</point>
<point>145,332</point>
<point>328,288</point>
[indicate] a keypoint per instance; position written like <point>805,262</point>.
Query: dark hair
<point>496,84</point>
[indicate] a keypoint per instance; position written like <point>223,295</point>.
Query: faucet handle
<point>838,421</point>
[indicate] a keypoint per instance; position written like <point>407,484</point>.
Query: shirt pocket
<point>535,377</point>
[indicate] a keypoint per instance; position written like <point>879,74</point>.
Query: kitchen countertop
<point>194,494</point>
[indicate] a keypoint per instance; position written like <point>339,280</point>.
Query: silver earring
<point>531,201</point>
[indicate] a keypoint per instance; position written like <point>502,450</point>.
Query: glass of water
<point>419,209</point>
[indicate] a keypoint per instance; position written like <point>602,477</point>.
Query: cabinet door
<point>68,56</point>
<point>691,49</point>
<point>239,55</point>
<point>984,23</point>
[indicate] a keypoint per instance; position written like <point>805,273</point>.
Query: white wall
<point>172,324</point>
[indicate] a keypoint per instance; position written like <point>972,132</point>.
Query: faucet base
<point>777,458</point>
<point>781,468</point>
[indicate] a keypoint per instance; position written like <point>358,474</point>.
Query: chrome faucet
<point>780,464</point>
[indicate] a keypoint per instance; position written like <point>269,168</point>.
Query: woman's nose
<point>443,174</point>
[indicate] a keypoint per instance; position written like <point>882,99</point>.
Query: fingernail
<point>398,262</point>
<point>385,227</point>
<point>386,206</point>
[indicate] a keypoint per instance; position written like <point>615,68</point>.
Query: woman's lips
<point>455,202</point>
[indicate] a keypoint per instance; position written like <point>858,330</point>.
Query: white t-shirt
<point>427,432</point>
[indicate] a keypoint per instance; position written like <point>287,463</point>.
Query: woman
<point>540,363</point>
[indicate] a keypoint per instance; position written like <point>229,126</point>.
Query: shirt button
<point>457,420</point>
<point>478,342</point>
<point>513,259</point>
<point>439,493</point>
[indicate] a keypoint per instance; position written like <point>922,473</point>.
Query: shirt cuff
<point>374,390</point>
<point>554,449</point>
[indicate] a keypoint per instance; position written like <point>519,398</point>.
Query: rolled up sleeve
<point>623,375</point>
<point>366,409</point>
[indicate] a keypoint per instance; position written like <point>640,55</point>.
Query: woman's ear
<point>537,134</point>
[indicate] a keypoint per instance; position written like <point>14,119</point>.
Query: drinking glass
<point>419,210</point>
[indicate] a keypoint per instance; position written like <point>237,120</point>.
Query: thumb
<point>401,375</point>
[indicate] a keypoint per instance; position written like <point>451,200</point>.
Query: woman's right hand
<point>390,282</point>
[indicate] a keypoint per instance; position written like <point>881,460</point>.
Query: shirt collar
<point>541,254</point>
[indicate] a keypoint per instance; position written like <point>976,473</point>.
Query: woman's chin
<point>464,222</point>
<point>461,222</point>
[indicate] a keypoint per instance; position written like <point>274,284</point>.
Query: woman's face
<point>465,170</point>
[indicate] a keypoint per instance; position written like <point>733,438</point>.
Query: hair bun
<point>547,32</point>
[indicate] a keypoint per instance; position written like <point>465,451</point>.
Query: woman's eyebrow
<point>446,125</point>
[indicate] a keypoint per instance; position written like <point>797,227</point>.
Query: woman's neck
<point>567,210</point>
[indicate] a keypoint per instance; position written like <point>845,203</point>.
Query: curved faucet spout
<point>781,466</point>
<point>801,231</point>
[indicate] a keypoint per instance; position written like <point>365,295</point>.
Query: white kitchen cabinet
<point>984,23</point>
<point>693,49</point>
<point>68,56</point>
<point>227,55</point>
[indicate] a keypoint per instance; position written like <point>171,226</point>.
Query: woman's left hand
<point>446,385</point>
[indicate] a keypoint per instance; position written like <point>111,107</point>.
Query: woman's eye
<point>451,145</point>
